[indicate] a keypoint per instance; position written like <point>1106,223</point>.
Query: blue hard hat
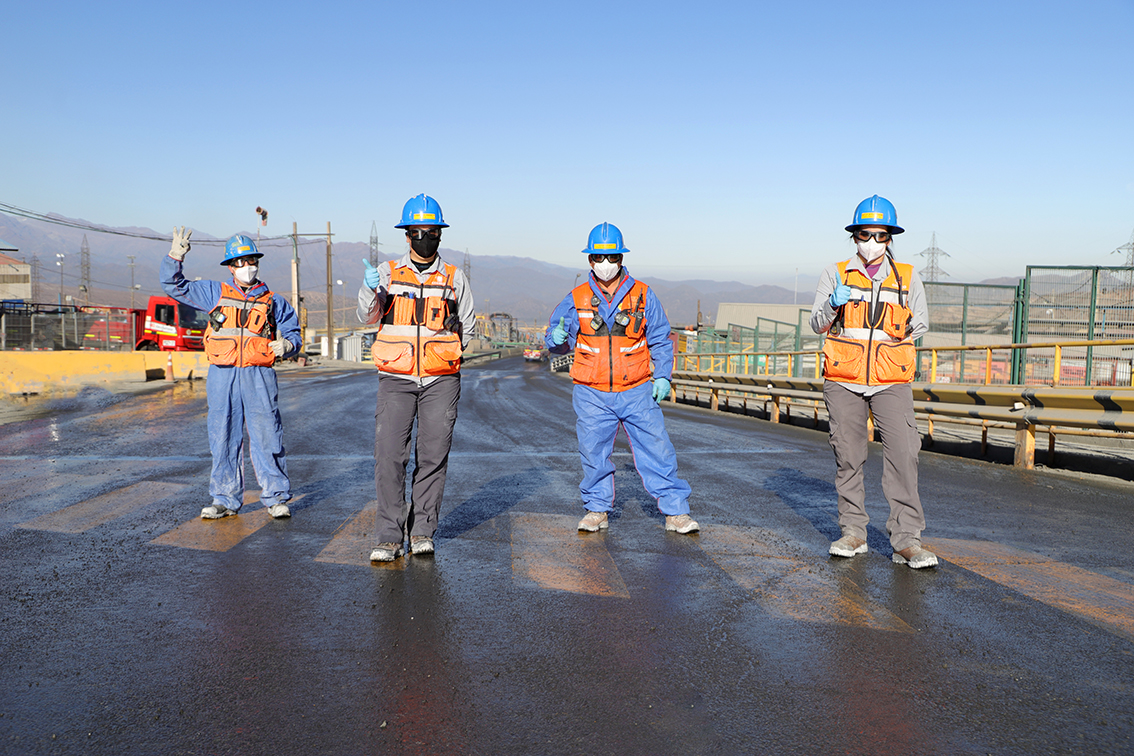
<point>422,210</point>
<point>240,246</point>
<point>876,211</point>
<point>605,239</point>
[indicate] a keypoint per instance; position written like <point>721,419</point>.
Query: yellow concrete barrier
<point>37,372</point>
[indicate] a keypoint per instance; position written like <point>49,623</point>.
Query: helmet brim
<point>895,230</point>
<point>622,251</point>
<point>435,225</point>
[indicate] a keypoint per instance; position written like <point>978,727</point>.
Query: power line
<point>280,241</point>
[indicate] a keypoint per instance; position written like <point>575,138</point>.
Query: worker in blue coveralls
<point>249,329</point>
<point>623,363</point>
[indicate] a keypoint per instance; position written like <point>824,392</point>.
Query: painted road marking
<point>549,552</point>
<point>222,534</point>
<point>1098,599</point>
<point>81,517</point>
<point>791,583</point>
<point>354,540</point>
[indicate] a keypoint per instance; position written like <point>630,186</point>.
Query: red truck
<point>165,325</point>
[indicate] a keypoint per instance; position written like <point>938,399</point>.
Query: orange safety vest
<point>418,333</point>
<point>240,330</point>
<point>611,356</point>
<point>869,343</point>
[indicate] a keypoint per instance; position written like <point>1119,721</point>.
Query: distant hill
<point>525,288</point>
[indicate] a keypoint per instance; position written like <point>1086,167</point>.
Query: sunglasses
<point>608,258</point>
<point>240,262</point>
<point>423,233</point>
<point>882,237</point>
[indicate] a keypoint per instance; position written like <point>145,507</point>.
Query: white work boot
<point>279,511</point>
<point>216,511</point>
<point>916,557</point>
<point>386,552</point>
<point>593,522</point>
<point>847,546</point>
<point>681,523</point>
<point>421,545</point>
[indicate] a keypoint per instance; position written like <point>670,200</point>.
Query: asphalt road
<point>132,627</point>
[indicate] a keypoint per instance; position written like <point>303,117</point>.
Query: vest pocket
<point>893,363</point>
<point>392,355</point>
<point>586,369</point>
<point>441,357</point>
<point>221,350</point>
<point>843,360</point>
<point>258,353</point>
<point>636,365</point>
<point>896,321</point>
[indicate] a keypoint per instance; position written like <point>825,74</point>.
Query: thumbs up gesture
<point>372,277</point>
<point>559,333</point>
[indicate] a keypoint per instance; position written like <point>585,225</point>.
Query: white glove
<point>280,346</point>
<point>180,246</point>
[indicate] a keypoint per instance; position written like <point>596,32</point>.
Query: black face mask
<point>425,247</point>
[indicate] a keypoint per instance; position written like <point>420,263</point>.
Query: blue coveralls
<point>239,396</point>
<point>599,413</point>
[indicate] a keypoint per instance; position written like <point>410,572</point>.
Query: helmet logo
<point>243,249</point>
<point>606,246</point>
<point>424,216</point>
<point>873,216</point>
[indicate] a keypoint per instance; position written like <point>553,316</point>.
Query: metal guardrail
<point>808,363</point>
<point>1094,411</point>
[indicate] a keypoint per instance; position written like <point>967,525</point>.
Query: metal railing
<point>1040,369</point>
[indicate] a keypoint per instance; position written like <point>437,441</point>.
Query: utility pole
<point>59,261</point>
<point>295,267</point>
<point>468,268</point>
<point>131,259</point>
<point>932,271</point>
<point>330,298</point>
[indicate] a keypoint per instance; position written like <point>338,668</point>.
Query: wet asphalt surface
<point>523,637</point>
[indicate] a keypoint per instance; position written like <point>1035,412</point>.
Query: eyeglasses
<point>423,233</point>
<point>608,258</point>
<point>882,237</point>
<point>240,262</point>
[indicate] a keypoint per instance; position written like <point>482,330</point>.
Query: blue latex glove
<point>372,277</point>
<point>840,296</point>
<point>559,333</point>
<point>661,389</point>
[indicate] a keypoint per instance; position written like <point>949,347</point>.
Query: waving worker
<point>249,329</point>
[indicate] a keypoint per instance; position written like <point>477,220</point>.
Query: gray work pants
<point>435,407</point>
<point>894,419</point>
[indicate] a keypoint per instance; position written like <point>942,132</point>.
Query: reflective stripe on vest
<point>612,356</point>
<point>869,343</point>
<point>418,333</point>
<point>240,330</point>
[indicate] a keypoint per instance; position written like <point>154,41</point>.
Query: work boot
<point>847,546</point>
<point>216,511</point>
<point>916,557</point>
<point>593,522</point>
<point>279,511</point>
<point>681,523</point>
<point>386,552</point>
<point>421,545</point>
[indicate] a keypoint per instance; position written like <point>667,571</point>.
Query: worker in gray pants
<point>424,312</point>
<point>871,309</point>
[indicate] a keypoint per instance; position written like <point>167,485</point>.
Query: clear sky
<point>728,140</point>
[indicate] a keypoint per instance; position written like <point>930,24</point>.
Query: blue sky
<point>729,141</point>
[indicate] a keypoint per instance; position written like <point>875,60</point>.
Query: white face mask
<point>606,270</point>
<point>247,274</point>
<point>870,250</point>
